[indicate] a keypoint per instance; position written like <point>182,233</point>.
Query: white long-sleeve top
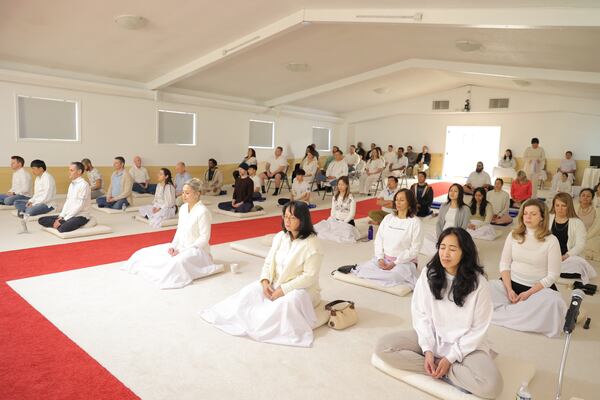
<point>577,235</point>
<point>446,329</point>
<point>500,202</point>
<point>532,261</point>
<point>294,264</point>
<point>21,182</point>
<point>478,179</point>
<point>139,175</point>
<point>343,210</point>
<point>310,167</point>
<point>79,200</point>
<point>507,163</point>
<point>399,237</point>
<point>337,169</point>
<point>193,228</point>
<point>44,190</point>
<point>375,164</point>
<point>164,196</point>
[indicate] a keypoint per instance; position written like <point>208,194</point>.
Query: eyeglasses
<point>289,217</point>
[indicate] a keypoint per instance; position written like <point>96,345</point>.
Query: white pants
<point>289,320</point>
<point>578,265</point>
<point>158,217</point>
<point>483,231</point>
<point>337,231</point>
<point>543,312</point>
<point>401,274</point>
<point>156,265</point>
<point>366,181</point>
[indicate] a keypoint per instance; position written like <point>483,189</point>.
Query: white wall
<point>114,125</point>
<point>560,123</point>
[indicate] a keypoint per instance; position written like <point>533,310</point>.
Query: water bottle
<point>370,233</point>
<point>523,393</point>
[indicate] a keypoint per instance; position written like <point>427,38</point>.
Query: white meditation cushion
<point>241,215</point>
<point>92,222</point>
<point>514,372</point>
<point>81,232</point>
<point>164,223</point>
<point>267,240</point>
<point>108,210</point>
<point>398,290</point>
<point>141,199</point>
<point>254,246</point>
<point>362,225</point>
<point>141,195</point>
<point>36,217</point>
<point>5,207</point>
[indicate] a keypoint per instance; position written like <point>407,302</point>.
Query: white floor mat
<point>399,290</point>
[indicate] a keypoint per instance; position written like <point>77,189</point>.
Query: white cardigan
<point>399,237</point>
<point>595,228</point>
<point>303,259</point>
<point>164,196</point>
<point>193,228</point>
<point>446,329</point>
<point>577,235</point>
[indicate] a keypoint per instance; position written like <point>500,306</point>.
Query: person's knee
<point>491,386</point>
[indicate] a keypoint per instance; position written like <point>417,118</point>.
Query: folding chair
<point>284,180</point>
<point>378,183</point>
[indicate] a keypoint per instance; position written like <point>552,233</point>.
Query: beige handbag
<point>342,314</point>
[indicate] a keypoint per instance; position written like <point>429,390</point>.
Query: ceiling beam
<point>244,43</point>
<point>451,66</point>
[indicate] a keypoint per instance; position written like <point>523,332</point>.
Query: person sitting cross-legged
<point>119,191</point>
<point>21,183</point>
<point>213,179</point>
<point>385,200</point>
<point>141,179</point>
<point>44,192</point>
<point>242,193</point>
<point>300,189</point>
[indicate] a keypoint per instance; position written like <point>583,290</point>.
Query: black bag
<point>345,269</point>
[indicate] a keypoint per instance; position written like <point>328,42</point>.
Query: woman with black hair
<point>278,308</point>
<point>163,206</point>
<point>451,312</point>
<point>250,159</point>
<point>397,244</point>
<point>340,227</point>
<point>481,216</point>
<point>454,212</point>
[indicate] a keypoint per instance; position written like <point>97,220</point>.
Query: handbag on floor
<point>345,269</point>
<point>342,314</point>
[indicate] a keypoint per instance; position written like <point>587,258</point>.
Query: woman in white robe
<point>372,172</point>
<point>526,298</point>
<point>163,207</point>
<point>590,216</point>
<point>176,264</point>
<point>571,234</point>
<point>279,307</point>
<point>481,216</point>
<point>340,227</point>
<point>397,244</point>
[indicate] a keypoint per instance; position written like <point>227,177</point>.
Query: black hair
<point>79,166</point>
<point>340,151</point>
<point>410,198</point>
<point>252,166</point>
<point>38,164</point>
<point>253,152</point>
<point>587,190</point>
<point>120,159</point>
<point>501,180</point>
<point>393,177</point>
<point>335,148</point>
<point>168,176</point>
<point>337,192</point>
<point>483,204</point>
<point>300,210</point>
<point>300,172</point>
<point>401,148</point>
<point>509,157</point>
<point>565,174</point>
<point>19,159</point>
<point>535,140</point>
<point>465,280</point>
<point>280,148</point>
<point>461,194</point>
<point>423,173</point>
<point>213,160</point>
<point>569,152</point>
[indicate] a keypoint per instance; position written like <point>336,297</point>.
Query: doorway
<point>466,145</point>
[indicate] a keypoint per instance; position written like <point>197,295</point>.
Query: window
<point>322,138</point>
<point>47,119</point>
<point>176,127</point>
<point>262,134</point>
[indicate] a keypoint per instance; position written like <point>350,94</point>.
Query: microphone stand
<point>570,323</point>
<point>563,363</point>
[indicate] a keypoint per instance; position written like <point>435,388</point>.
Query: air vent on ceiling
<point>498,103</point>
<point>440,105</point>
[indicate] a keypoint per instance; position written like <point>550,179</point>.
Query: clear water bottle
<point>523,393</point>
<point>370,233</point>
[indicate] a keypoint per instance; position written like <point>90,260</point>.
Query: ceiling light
<point>467,45</point>
<point>297,67</point>
<point>381,90</point>
<point>522,82</point>
<point>130,21</point>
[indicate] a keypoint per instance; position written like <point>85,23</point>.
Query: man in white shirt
<point>478,178</point>
<point>352,158</point>
<point>44,192</point>
<point>141,179</point>
<point>76,211</point>
<point>398,166</point>
<point>336,169</point>
<point>94,178</point>
<point>21,183</point>
<point>300,189</point>
<point>257,195</point>
<point>390,155</point>
<point>568,166</point>
<point>276,168</point>
<point>385,200</point>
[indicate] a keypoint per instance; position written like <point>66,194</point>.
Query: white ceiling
<point>83,39</point>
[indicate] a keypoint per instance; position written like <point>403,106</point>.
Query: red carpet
<point>440,188</point>
<point>37,361</point>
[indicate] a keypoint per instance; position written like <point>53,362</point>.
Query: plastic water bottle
<point>523,393</point>
<point>370,233</point>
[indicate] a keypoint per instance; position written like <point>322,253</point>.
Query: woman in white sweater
<point>571,234</point>
<point>481,216</point>
<point>451,312</point>
<point>176,264</point>
<point>310,166</point>
<point>397,244</point>
<point>339,227</point>
<point>526,298</point>
<point>372,172</point>
<point>590,216</point>
<point>279,307</point>
<point>163,206</point>
<point>500,201</point>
